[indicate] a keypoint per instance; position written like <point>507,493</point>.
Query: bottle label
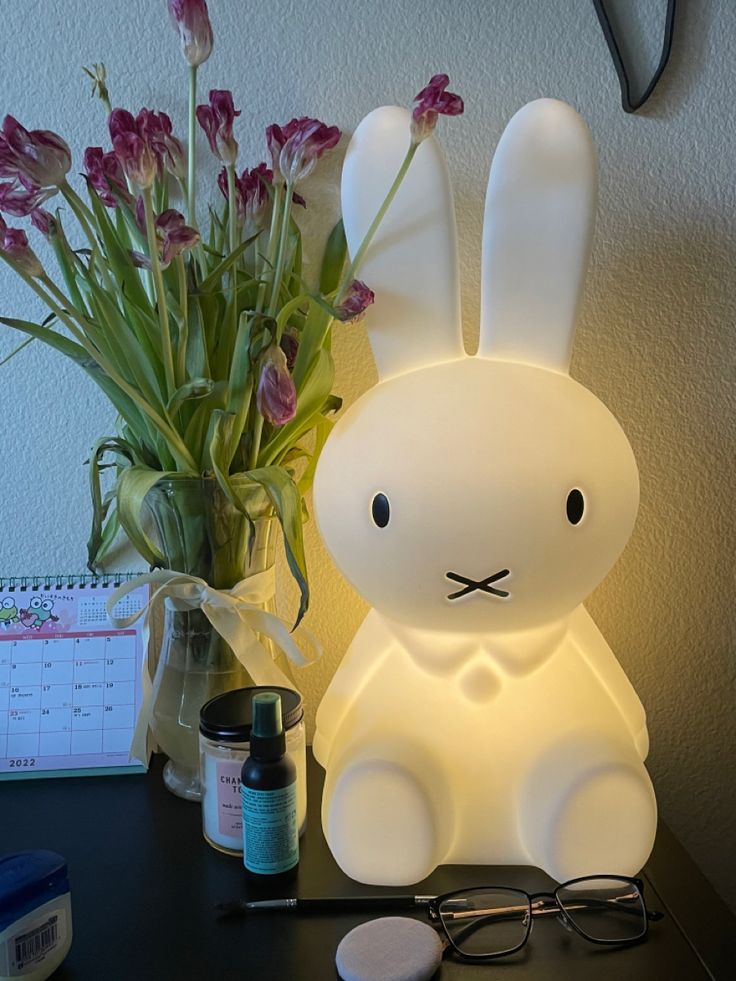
<point>229,810</point>
<point>270,830</point>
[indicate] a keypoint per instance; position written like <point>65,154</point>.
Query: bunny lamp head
<point>488,493</point>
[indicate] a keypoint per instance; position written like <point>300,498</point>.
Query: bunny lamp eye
<point>575,506</point>
<point>380,510</point>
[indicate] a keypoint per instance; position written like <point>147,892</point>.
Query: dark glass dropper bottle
<point>268,788</point>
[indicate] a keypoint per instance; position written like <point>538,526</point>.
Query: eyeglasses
<point>492,921</point>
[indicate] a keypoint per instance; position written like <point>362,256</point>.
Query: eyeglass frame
<point>650,916</point>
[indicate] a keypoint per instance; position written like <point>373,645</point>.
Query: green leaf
<point>240,387</point>
<point>99,508</point>
<point>286,500</point>
<point>62,344</point>
<point>197,388</point>
<point>322,429</point>
<point>213,280</point>
<point>133,485</point>
<point>311,398</point>
<point>333,259</point>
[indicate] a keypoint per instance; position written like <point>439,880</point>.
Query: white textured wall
<point>656,339</point>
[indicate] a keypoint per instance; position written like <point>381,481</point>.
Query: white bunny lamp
<point>479,716</point>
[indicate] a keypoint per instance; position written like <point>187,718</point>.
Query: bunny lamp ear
<point>411,264</point>
<point>538,226</point>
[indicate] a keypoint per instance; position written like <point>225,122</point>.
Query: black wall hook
<point>629,104</point>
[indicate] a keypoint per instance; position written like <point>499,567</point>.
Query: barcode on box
<point>30,946</point>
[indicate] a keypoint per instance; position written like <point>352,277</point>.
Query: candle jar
<point>224,744</point>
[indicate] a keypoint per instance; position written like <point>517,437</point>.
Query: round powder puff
<point>393,948</point>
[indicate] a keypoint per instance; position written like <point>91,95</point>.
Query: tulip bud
<point>276,394</point>
<point>191,19</point>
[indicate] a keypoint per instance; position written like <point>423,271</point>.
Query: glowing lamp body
<point>479,716</point>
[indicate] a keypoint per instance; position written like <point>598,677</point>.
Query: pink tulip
<point>134,151</point>
<point>251,194</point>
<point>38,156</point>
<point>191,19</point>
<point>21,198</point>
<point>14,244</point>
<point>173,236</point>
<point>156,129</point>
<point>355,303</point>
<point>44,221</point>
<point>276,394</point>
<point>105,175</point>
<point>431,102</point>
<point>296,147</point>
<point>217,120</point>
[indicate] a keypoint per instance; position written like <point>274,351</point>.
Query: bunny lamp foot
<point>588,807</point>
<point>358,797</point>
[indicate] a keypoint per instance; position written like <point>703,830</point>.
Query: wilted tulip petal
<point>296,147</point>
<point>105,175</point>
<point>173,235</point>
<point>44,221</point>
<point>156,130</point>
<point>276,394</point>
<point>135,153</point>
<point>14,244</point>
<point>217,120</point>
<point>20,199</point>
<point>251,196</point>
<point>357,300</point>
<point>192,20</point>
<point>431,102</point>
<point>39,156</point>
<point>290,346</point>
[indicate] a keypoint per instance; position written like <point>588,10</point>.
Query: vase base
<point>183,781</point>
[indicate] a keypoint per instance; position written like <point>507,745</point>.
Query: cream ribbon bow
<point>237,616</point>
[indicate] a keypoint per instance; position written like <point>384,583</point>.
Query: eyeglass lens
<point>605,909</point>
<point>483,922</point>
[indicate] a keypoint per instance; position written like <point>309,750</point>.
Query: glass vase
<point>202,534</point>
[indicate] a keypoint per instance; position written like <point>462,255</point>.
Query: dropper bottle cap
<point>267,737</point>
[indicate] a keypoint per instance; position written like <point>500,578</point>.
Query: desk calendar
<point>70,684</point>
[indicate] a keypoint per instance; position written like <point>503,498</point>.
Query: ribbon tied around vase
<point>237,616</point>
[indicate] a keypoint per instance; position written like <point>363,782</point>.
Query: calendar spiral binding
<point>23,584</point>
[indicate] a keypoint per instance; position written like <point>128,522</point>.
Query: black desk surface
<point>145,883</point>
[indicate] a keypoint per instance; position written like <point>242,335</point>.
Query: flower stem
<point>380,215</point>
<point>184,326</point>
<point>270,257</point>
<point>281,259</point>
<point>158,281</point>
<point>192,148</point>
<point>233,228</point>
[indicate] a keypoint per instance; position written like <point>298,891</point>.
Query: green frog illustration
<point>8,612</point>
<point>38,613</point>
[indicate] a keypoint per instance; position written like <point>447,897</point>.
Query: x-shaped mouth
<point>484,585</point>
